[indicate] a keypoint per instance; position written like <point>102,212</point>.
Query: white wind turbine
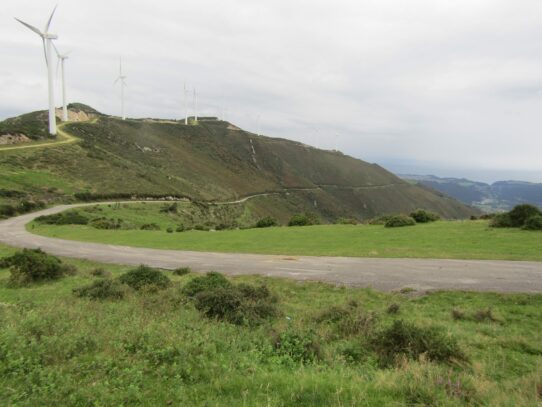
<point>47,39</point>
<point>185,105</point>
<point>61,59</point>
<point>195,106</point>
<point>121,78</point>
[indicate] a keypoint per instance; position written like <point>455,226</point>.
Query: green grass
<point>156,349</point>
<point>444,239</point>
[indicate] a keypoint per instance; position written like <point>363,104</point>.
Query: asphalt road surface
<point>381,274</point>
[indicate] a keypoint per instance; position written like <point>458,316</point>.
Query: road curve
<point>381,274</point>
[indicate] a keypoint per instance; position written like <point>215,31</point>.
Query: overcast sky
<point>446,87</point>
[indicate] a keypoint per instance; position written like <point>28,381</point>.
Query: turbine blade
<point>56,49</point>
<point>50,18</point>
<point>31,27</point>
<point>116,80</point>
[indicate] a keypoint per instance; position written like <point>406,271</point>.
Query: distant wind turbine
<point>47,39</point>
<point>195,106</point>
<point>121,78</point>
<point>61,59</point>
<point>185,106</point>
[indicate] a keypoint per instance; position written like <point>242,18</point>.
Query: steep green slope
<point>212,161</point>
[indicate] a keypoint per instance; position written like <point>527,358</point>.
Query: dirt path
<point>382,274</point>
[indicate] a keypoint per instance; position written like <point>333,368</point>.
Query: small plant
<point>145,276</point>
<point>34,265</point>
<point>169,230</point>
<point>423,216</point>
<point>458,315</point>
<point>106,223</point>
<point>483,315</point>
<point>380,220</point>
<point>266,222</point>
<point>347,221</point>
<point>100,272</point>
<point>180,228</point>
<point>533,223</point>
<point>404,339</point>
<point>181,271</point>
<point>399,221</point>
<point>150,226</point>
<point>209,281</point>
<point>102,290</point>
<point>297,346</point>
<point>304,219</point>
<point>393,308</point>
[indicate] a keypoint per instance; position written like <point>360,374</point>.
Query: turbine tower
<point>47,39</point>
<point>195,106</point>
<point>121,78</point>
<point>61,59</point>
<point>185,105</point>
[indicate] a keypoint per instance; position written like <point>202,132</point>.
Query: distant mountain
<point>210,161</point>
<point>501,195</point>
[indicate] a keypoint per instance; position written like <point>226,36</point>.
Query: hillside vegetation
<point>211,161</point>
<point>112,335</point>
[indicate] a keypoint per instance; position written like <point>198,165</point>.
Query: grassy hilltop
<point>211,161</point>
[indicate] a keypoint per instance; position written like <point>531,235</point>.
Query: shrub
<point>173,208</point>
<point>348,321</point>
<point>33,265</point>
<point>533,223</point>
<point>411,341</point>
<point>150,226</point>
<point>399,221</point>
<point>180,228</point>
<point>7,210</point>
<point>266,222</point>
<point>458,315</point>
<point>209,281</point>
<point>169,230</point>
<point>483,315</point>
<point>105,223</point>
<point>181,271</point>
<point>393,308</point>
<point>380,220</point>
<point>501,220</point>
<point>63,218</point>
<point>101,290</point>
<point>100,272</point>
<point>145,276</point>
<point>28,206</point>
<point>423,216</point>
<point>201,228</point>
<point>299,347</point>
<point>520,214</point>
<point>304,219</point>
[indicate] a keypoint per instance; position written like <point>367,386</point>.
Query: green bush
<point>63,218</point>
<point>34,265</point>
<point>150,226</point>
<point>181,271</point>
<point>266,222</point>
<point>105,223</point>
<point>347,221</point>
<point>296,346</point>
<point>145,276</point>
<point>209,281</point>
<point>520,214</point>
<point>304,219</point>
<point>404,339</point>
<point>501,220</point>
<point>399,221</point>
<point>533,223</point>
<point>380,220</point>
<point>180,228</point>
<point>423,216</point>
<point>238,304</point>
<point>169,230</point>
<point>393,308</point>
<point>102,290</point>
<point>100,272</point>
<point>7,210</point>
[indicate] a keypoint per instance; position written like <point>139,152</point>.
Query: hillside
<point>211,161</point>
<point>501,195</point>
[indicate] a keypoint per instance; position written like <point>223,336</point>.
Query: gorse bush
<point>533,223</point>
<point>304,219</point>
<point>106,223</point>
<point>100,272</point>
<point>181,271</point>
<point>399,221</point>
<point>299,347</point>
<point>34,265</point>
<point>145,276</point>
<point>209,281</point>
<point>63,218</point>
<point>404,339</point>
<point>423,216</point>
<point>150,226</point>
<point>102,290</point>
<point>266,222</point>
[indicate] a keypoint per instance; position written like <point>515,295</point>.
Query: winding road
<point>381,274</point>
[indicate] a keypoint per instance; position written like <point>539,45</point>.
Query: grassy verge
<point>157,349</point>
<point>445,239</point>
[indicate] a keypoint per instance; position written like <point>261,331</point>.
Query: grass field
<point>446,239</point>
<point>157,349</point>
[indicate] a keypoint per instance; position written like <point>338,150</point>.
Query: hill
<point>501,195</point>
<point>210,161</point>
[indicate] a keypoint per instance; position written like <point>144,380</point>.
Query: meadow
<point>156,348</point>
<point>443,239</point>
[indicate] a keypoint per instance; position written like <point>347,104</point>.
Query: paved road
<point>382,274</point>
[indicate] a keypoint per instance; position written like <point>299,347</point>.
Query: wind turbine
<point>185,106</point>
<point>121,78</point>
<point>47,39</point>
<point>61,59</point>
<point>195,106</point>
